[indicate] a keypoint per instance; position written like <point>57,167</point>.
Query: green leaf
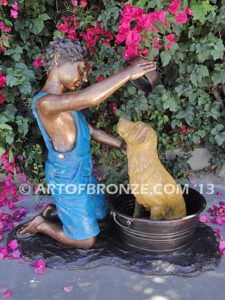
<point>141,3</point>
<point>131,90</point>
<point>38,26</point>
<point>2,150</point>
<point>165,57</point>
<point>58,33</point>
<point>201,9</point>
<point>10,155</point>
<point>44,17</point>
<point>196,139</point>
<point>26,88</point>
<point>5,126</point>
<point>9,139</point>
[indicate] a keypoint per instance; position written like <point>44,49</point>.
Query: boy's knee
<point>85,244</point>
<point>89,243</point>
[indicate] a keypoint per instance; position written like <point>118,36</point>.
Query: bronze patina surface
<point>152,185</point>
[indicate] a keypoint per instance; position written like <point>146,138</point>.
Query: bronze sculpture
<point>152,185</point>
<point>57,109</point>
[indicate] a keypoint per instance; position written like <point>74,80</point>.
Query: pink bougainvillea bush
<point>147,33</point>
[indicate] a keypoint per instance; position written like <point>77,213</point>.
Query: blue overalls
<point>67,175</point>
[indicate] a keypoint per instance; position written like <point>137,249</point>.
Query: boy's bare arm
<point>103,137</point>
<point>96,93</point>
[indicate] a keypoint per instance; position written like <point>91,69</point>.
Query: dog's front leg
<point>139,210</point>
<point>157,213</point>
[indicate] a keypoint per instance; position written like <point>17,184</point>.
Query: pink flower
<point>160,15</point>
<point>7,29</point>
<point>218,233</point>
<point>16,254</point>
<point>7,294</point>
<point>133,38</point>
<point>20,157</point>
<point>219,193</point>
<point>142,22</point>
<point>2,100</point>
<point>181,18</point>
<point>166,24</point>
<point>183,130</point>
<point>130,12</point>
<point>2,49</point>
<point>68,289</point>
<point>170,38</point>
<point>204,219</point>
<point>218,220</point>
<point>174,6</point>
<point>21,176</point>
<point>39,266</point>
<point>74,2</point>
<point>100,77</point>
<point>4,2</point>
<point>3,252</point>
<point>13,245</point>
<point>222,247</point>
<point>188,11</point>
<point>2,80</point>
<point>2,25</point>
<point>168,46</point>
<point>37,63</point>
<point>120,38</point>
<point>15,6</point>
<point>130,52</point>
<point>114,108</point>
<point>155,43</point>
<point>124,26</point>
<point>14,13</point>
<point>83,3</point>
<point>144,51</point>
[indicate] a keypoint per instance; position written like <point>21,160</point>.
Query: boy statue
<point>57,109</point>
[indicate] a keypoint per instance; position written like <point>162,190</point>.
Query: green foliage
<point>186,109</point>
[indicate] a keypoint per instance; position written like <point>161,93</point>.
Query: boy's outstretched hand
<point>140,66</point>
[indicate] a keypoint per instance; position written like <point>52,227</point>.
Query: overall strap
<point>41,127</point>
<point>83,132</point>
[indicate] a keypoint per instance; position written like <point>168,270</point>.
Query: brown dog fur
<point>162,196</point>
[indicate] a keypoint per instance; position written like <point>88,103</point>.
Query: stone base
<point>202,254</point>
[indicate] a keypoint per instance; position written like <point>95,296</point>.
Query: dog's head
<point>137,133</point>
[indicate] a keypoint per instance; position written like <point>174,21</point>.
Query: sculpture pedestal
<point>201,255</point>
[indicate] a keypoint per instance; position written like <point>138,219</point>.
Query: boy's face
<point>72,75</point>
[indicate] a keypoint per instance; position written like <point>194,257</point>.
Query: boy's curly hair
<point>70,51</point>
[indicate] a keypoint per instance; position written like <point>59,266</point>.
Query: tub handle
<point>119,224</point>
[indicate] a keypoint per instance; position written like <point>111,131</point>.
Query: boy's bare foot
<point>32,227</point>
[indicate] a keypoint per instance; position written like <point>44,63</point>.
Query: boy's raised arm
<point>96,93</point>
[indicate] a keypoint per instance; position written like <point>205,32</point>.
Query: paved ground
<point>109,283</point>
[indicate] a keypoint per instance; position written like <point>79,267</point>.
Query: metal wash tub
<point>156,237</point>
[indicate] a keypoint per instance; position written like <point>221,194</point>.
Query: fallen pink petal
<point>219,194</point>
<point>204,219</point>
<point>16,254</point>
<point>13,244</point>
<point>68,289</point>
<point>39,266</point>
<point>222,247</point>
<point>7,294</point>
<point>218,233</point>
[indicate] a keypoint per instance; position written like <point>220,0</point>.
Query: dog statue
<point>151,184</point>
